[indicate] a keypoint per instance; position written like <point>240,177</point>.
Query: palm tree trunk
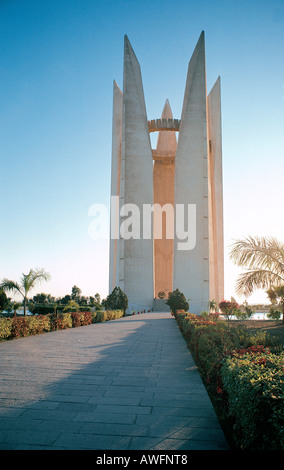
<point>25,306</point>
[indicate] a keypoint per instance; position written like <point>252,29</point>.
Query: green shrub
<point>62,321</point>
<point>19,328</point>
<point>38,324</point>
<point>87,320</point>
<point>5,327</point>
<point>81,318</point>
<point>101,316</point>
<point>85,308</point>
<point>177,301</point>
<point>107,315</point>
<point>274,314</point>
<point>114,314</point>
<point>254,384</point>
<point>245,372</point>
<point>94,315</point>
<point>77,319</point>
<point>41,309</point>
<point>117,300</point>
<point>208,343</point>
<point>263,338</point>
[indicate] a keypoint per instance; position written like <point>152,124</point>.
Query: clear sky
<point>58,62</point>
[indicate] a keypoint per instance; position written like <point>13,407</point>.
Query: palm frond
<point>34,277</point>
<point>259,253</point>
<point>10,286</point>
<point>257,279</point>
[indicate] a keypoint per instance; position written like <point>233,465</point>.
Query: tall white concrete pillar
<point>115,186</point>
<point>191,266</point>
<point>136,253</point>
<point>216,246</point>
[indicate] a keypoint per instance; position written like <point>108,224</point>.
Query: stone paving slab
<point>128,384</point>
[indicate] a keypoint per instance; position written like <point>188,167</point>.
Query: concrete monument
<point>178,186</point>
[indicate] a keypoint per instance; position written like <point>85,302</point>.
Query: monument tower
<point>184,175</point>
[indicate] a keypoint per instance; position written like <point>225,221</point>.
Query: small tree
<point>229,308</point>
<point>276,296</point>
<point>117,300</point>
<point>40,298</point>
<point>76,294</point>
<point>274,313</point>
<point>177,301</point>
<point>65,300</point>
<point>27,283</point>
<point>212,305</point>
<point>15,307</point>
<point>4,301</point>
<point>72,306</point>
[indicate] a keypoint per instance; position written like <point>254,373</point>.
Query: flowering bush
<point>36,324</point>
<point>229,308</point>
<point>214,315</point>
<point>245,373</point>
<point>253,381</point>
<point>5,328</point>
<point>61,321</point>
<point>19,328</point>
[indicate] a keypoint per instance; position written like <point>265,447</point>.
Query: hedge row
<point>245,372</point>
<point>45,309</point>
<point>36,324</point>
<point>254,387</point>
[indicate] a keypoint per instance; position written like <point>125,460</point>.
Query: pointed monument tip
<point>218,81</point>
<point>200,46</point>
<point>116,87</point>
<point>167,111</point>
<point>127,43</point>
<point>216,88</point>
<point>128,51</point>
<point>201,37</point>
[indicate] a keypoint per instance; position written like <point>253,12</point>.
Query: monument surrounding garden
<point>167,203</point>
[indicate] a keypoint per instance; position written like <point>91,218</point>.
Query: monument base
<point>159,305</point>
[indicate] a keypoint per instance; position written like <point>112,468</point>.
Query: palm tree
<point>264,259</point>
<point>212,305</point>
<point>27,283</point>
<point>16,306</point>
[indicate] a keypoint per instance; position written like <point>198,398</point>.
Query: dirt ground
<point>272,327</point>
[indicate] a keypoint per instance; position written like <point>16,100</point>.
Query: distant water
<point>20,311</point>
<point>255,316</point>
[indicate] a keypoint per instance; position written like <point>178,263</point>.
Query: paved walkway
<point>125,384</point>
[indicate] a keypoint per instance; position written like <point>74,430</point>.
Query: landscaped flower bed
<point>35,324</point>
<point>243,373</point>
<point>252,381</point>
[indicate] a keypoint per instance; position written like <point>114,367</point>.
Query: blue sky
<point>58,62</point>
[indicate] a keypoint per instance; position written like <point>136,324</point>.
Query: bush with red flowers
<point>243,374</point>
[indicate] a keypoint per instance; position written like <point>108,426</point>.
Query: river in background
<point>255,316</point>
